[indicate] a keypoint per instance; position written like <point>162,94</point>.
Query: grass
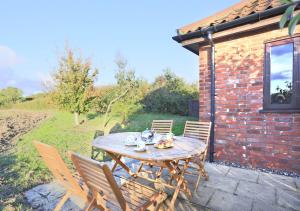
<point>25,169</point>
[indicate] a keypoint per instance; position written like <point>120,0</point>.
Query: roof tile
<point>239,10</point>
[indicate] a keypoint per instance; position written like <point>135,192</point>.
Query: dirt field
<point>14,123</point>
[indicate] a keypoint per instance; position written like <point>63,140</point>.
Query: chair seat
<point>138,196</point>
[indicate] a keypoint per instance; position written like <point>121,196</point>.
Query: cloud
<point>283,75</point>
<point>8,57</point>
<point>281,50</point>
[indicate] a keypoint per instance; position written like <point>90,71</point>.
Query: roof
<point>239,10</point>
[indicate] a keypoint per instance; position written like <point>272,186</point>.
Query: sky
<point>281,66</point>
<point>33,36</point>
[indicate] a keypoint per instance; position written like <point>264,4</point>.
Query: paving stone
<point>215,169</point>
<point>229,202</point>
<point>297,181</point>
<point>277,181</point>
<point>46,197</point>
<point>182,205</point>
<point>202,195</point>
<point>256,191</point>
<point>289,199</point>
<point>243,174</point>
<point>259,205</point>
<point>221,183</point>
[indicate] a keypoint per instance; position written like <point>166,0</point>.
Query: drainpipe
<point>212,95</point>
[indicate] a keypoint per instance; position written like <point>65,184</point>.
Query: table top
<point>183,148</point>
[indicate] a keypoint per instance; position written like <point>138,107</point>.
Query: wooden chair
<point>201,131</point>
<point>60,171</point>
<point>107,195</point>
<point>162,126</point>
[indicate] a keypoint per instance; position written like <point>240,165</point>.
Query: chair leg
<point>198,182</point>
<point>140,168</point>
<point>203,172</point>
<point>62,201</point>
<point>91,204</point>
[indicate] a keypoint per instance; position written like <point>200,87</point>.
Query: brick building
<point>249,81</point>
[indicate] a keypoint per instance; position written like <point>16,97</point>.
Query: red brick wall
<point>242,134</point>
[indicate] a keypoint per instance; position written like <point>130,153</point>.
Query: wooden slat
<point>101,181</point>
<point>162,126</point>
<point>60,171</point>
<point>199,130</point>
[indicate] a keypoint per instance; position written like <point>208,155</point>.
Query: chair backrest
<point>100,181</point>
<point>162,126</point>
<point>198,130</point>
<point>58,167</point>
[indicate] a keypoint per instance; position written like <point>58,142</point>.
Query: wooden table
<point>184,149</point>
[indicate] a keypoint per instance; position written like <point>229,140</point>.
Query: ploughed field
<point>14,123</point>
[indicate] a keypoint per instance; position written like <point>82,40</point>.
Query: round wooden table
<point>184,149</point>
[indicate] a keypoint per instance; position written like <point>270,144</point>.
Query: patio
<point>228,188</point>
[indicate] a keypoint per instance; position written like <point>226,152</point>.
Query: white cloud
<point>8,57</point>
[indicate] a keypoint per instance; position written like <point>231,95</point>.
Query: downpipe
<point>212,96</point>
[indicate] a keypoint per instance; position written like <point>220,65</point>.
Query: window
<point>282,72</point>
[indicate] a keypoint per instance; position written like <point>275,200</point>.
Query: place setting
<point>149,137</point>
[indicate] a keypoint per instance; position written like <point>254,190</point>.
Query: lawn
<point>25,169</point>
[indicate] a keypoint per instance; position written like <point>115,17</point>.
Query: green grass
<point>25,168</point>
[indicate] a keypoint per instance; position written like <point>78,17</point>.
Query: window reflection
<point>281,61</point>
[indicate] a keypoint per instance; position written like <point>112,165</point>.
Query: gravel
<point>266,170</point>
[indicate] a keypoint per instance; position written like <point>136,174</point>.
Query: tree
<point>10,95</point>
<point>74,81</point>
<point>289,17</point>
<point>170,94</point>
<point>126,88</point>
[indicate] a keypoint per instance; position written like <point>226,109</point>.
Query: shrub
<point>169,94</point>
<point>10,95</point>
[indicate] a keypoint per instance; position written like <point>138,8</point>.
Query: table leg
<point>117,158</point>
<point>116,163</point>
<point>178,175</point>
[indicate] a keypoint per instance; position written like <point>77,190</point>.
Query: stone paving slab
<point>259,205</point>
<point>45,197</point>
<point>203,195</point>
<point>297,182</point>
<point>215,169</point>
<point>289,199</point>
<point>224,201</point>
<point>256,191</point>
<point>243,174</point>
<point>277,181</point>
<point>221,183</point>
<point>227,189</point>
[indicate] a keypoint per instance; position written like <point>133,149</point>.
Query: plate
<point>162,147</point>
<point>139,150</point>
<point>130,144</point>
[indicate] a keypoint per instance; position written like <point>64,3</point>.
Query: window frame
<point>295,104</point>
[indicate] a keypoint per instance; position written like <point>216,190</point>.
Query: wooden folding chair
<point>60,171</point>
<point>201,131</point>
<point>107,195</point>
<point>162,126</point>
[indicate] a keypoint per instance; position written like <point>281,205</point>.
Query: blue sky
<point>33,35</point>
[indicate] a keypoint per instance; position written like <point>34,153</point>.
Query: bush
<point>9,96</point>
<point>169,94</point>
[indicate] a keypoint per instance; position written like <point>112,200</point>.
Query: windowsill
<point>285,111</point>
